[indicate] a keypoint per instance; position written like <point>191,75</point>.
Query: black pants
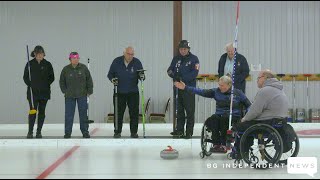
<point>186,103</point>
<point>40,106</point>
<point>219,124</point>
<point>132,100</point>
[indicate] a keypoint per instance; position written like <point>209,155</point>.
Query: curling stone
<point>169,153</point>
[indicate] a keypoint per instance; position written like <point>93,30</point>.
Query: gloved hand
<point>114,81</point>
<point>142,77</point>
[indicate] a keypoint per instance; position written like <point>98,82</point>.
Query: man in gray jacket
<point>76,85</point>
<point>270,104</point>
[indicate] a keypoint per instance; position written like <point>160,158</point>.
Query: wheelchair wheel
<point>205,141</point>
<point>261,146</point>
<point>292,152</point>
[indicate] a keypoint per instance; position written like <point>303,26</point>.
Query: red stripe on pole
<point>238,12</point>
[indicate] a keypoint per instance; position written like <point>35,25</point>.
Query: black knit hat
<point>184,44</point>
<point>37,49</point>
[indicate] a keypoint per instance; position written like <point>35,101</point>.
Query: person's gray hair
<point>229,45</point>
<point>268,73</point>
<point>226,80</point>
<point>129,47</point>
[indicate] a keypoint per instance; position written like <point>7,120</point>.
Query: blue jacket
<point>127,76</point>
<point>241,72</point>
<point>223,100</point>
<point>184,68</point>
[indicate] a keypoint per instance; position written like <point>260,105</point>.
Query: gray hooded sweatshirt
<point>270,102</point>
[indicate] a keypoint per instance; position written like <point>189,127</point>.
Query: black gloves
<point>142,77</point>
<point>114,81</point>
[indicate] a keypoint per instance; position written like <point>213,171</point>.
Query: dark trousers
<point>40,106</point>
<point>70,106</point>
<point>186,103</point>
<point>132,100</point>
<point>219,124</point>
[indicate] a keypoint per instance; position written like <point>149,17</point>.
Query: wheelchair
<point>261,145</point>
<point>207,142</point>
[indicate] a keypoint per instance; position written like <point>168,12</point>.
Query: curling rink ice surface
<point>105,157</point>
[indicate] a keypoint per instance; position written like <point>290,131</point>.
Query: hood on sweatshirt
<point>273,82</point>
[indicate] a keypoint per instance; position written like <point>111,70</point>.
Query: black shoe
<point>117,135</point>
<point>38,135</point>
<point>176,133</point>
<point>29,135</point>
<point>134,135</point>
<point>67,136</point>
<point>86,135</point>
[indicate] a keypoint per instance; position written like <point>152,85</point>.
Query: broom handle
<point>29,69</point>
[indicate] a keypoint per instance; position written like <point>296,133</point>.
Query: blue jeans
<point>70,106</point>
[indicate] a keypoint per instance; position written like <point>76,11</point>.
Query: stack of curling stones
<point>169,153</point>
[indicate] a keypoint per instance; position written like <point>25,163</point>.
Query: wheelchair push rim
<point>293,152</point>
<point>265,139</point>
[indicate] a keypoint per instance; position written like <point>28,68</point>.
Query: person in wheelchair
<point>218,123</point>
<point>270,106</point>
